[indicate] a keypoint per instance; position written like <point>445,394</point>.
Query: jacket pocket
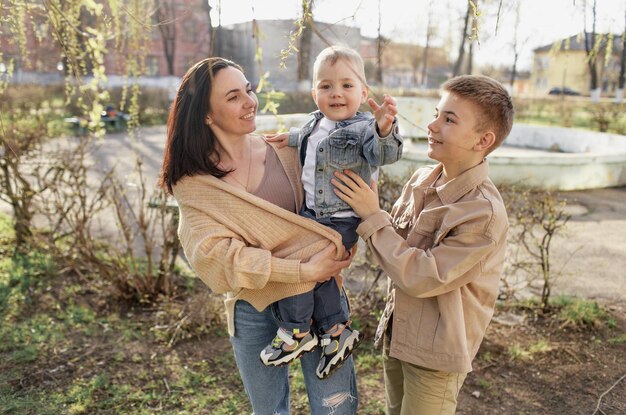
<point>343,151</point>
<point>428,324</point>
<point>422,235</point>
<point>416,321</point>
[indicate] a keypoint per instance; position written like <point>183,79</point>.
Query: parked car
<point>563,91</point>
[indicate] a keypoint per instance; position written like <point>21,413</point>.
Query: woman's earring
<point>209,121</point>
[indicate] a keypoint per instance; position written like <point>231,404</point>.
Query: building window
<point>152,66</point>
<point>542,62</point>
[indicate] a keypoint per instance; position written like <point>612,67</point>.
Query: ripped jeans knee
<point>335,401</point>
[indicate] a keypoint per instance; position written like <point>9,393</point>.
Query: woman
<point>238,198</point>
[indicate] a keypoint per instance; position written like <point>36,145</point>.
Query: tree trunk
<point>622,66</point>
<point>379,52</point>
<point>515,47</point>
<point>459,60</point>
<point>423,79</point>
<point>513,71</point>
<point>304,56</point>
<point>166,13</point>
<point>207,7</point>
<point>590,43</point>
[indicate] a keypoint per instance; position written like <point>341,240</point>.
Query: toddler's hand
<point>281,140</point>
<point>385,114</point>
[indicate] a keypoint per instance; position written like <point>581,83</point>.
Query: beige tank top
<point>275,186</point>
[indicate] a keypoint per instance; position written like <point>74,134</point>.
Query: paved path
<point>595,243</point>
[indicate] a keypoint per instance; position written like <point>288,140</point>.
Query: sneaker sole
<point>285,360</point>
<point>336,361</point>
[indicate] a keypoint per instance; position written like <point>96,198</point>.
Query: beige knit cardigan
<point>243,246</point>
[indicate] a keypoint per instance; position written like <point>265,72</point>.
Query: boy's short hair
<point>333,53</point>
<point>496,105</point>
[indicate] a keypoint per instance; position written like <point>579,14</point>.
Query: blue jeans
<point>268,387</point>
<point>323,303</point>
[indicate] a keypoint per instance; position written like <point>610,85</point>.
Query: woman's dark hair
<point>190,141</point>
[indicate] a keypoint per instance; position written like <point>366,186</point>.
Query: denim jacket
<point>354,145</point>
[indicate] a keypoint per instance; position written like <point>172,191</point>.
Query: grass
<point>528,353</point>
<point>579,312</point>
<point>572,113</point>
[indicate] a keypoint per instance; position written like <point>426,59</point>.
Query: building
<point>564,64</point>
<point>403,66</point>
<point>178,35</point>
<point>239,42</point>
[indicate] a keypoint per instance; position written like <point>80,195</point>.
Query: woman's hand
<point>323,266</point>
<point>351,188</point>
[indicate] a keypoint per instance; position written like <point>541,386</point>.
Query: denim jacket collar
<point>359,116</point>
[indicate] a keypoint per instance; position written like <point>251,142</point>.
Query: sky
<point>541,21</point>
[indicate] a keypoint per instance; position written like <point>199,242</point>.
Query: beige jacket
<point>443,251</point>
<point>244,246</point>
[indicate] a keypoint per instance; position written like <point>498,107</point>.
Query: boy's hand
<point>281,140</point>
<point>351,188</point>
<point>384,114</point>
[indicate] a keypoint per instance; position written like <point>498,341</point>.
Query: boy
<point>442,248</point>
<point>337,137</point>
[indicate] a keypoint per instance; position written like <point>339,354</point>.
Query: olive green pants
<point>415,390</point>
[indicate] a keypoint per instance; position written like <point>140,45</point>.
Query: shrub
<point>536,216</point>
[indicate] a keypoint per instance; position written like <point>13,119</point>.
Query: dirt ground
<point>573,371</point>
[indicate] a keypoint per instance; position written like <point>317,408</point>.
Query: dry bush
<point>565,113</point>
<point>177,320</point>
<point>19,97</point>
<point>24,130</point>
<point>536,216</point>
<point>605,115</point>
<point>68,207</point>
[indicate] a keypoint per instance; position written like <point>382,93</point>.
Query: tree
<point>207,8</point>
<point>216,46</point>
<point>622,65</point>
<point>166,21</point>
<point>459,59</point>
<point>379,49</point>
<point>429,33</point>
<point>516,46</point>
<point>304,57</point>
<point>592,48</point>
